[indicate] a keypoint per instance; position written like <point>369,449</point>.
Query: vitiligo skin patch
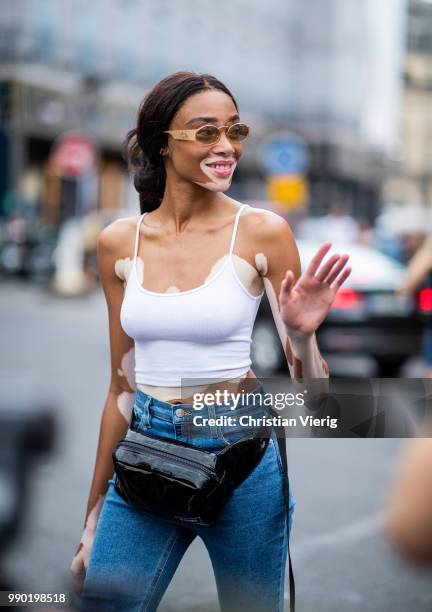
<point>215,268</point>
<point>249,276</point>
<point>125,402</point>
<point>261,263</point>
<point>216,183</point>
<point>127,367</point>
<point>123,268</point>
<point>125,399</point>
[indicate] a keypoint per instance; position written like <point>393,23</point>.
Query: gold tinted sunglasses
<point>211,134</point>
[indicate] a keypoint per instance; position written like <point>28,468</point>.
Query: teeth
<point>221,166</point>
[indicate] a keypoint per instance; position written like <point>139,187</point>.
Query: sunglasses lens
<point>238,131</point>
<point>207,134</point>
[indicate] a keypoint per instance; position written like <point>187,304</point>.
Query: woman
<point>185,310</point>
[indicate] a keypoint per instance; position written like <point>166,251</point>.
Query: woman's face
<point>195,161</point>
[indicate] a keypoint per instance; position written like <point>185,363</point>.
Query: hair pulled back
<point>142,145</point>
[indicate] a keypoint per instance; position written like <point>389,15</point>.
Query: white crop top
<point>201,333</point>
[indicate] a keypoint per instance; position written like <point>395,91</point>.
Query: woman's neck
<point>184,202</point>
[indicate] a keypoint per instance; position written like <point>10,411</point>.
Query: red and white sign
<point>74,154</point>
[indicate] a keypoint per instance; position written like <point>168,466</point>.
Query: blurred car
<point>367,316</point>
<point>26,249</point>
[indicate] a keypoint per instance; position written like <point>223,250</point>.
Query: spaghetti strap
<point>233,237</point>
<point>137,235</point>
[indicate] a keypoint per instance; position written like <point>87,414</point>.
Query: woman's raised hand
<point>304,304</point>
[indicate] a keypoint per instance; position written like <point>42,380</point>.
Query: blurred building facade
<point>328,70</point>
<point>412,181</point>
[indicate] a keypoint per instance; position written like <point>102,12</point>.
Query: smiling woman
<point>183,282</point>
<point>174,107</point>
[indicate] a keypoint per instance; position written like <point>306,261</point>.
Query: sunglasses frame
<point>191,134</point>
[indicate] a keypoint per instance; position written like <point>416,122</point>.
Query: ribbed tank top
<point>203,333</point>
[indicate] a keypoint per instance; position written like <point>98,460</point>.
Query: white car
<point>367,316</point>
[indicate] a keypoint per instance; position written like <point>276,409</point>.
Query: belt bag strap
<point>282,450</point>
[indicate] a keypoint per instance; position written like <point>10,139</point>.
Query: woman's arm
<point>117,410</point>
<point>299,303</point>
<point>279,254</point>
<point>418,267</point>
<point>118,406</point>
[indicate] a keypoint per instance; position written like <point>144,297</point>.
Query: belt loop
<point>145,422</point>
<point>212,415</point>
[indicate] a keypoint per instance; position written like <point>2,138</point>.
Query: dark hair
<point>142,145</point>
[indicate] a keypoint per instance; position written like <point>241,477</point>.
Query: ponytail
<point>148,176</point>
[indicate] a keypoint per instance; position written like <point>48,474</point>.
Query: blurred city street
<point>57,348</point>
<point>336,98</point>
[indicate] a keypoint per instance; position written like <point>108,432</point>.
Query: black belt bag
<point>174,479</point>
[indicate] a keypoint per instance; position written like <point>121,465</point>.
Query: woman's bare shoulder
<point>119,235</point>
<point>266,226</point>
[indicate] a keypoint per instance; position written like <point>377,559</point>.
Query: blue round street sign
<point>284,154</point>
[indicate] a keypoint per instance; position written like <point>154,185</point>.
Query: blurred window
<point>420,28</point>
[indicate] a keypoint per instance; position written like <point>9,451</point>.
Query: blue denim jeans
<point>135,554</point>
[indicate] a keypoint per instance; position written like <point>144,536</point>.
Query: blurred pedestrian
<point>337,224</point>
<point>340,225</point>
<point>419,268</point>
<point>365,233</point>
<point>408,522</point>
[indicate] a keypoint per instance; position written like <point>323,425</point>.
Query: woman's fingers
<point>336,269</point>
<point>333,272</point>
<point>78,571</point>
<point>287,283</point>
<point>341,279</point>
<point>317,259</point>
<point>325,269</point>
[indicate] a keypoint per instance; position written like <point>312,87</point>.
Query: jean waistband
<point>243,402</point>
